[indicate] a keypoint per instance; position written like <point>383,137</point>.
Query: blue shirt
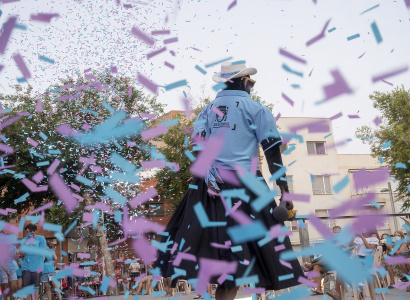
<point>49,265</point>
<point>245,123</point>
<point>33,259</point>
<point>9,259</point>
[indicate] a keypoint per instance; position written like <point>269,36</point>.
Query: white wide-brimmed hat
<point>231,70</point>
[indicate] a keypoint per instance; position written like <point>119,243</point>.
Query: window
<point>283,147</point>
<point>316,148</point>
<point>156,207</point>
<point>324,213</point>
<point>290,183</point>
<point>292,225</point>
<point>321,185</point>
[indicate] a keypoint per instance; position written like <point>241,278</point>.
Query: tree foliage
<point>80,103</point>
<point>391,140</point>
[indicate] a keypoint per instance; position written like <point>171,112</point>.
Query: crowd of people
<point>21,266</point>
<point>365,244</point>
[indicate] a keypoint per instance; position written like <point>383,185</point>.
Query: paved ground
<point>393,294</point>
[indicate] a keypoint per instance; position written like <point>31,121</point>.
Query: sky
<point>97,34</point>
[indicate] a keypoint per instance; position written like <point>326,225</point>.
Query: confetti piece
<point>43,17</point>
<point>331,29</point>
<point>6,33</point>
<point>219,86</point>
<point>373,7</point>
<point>337,88</point>
<point>46,59</point>
<point>376,32</point>
<point>296,197</point>
<point>22,198</point>
<point>175,85</point>
<point>193,186</point>
<point>218,62</point>
<point>386,145</point>
<point>63,192</point>
<point>390,74</point>
<point>307,282</point>
<point>153,132</point>
<point>286,277</point>
<point>353,116</point>
<point>290,101</point>
<point>200,69</point>
<point>160,32</point>
<point>142,36</point>
<point>155,53</point>
<point>209,268</point>
<point>287,69</point>
<point>320,36</point>
<point>248,232</point>
<point>147,83</point>
<point>341,184</point>
<point>206,157</point>
<point>203,218</point>
<point>143,197</point>
<point>171,40</point>
<point>217,111</point>
<point>171,66</point>
<point>363,179</point>
<point>232,5</point>
<point>21,65</point>
<point>401,165</point>
<point>407,2</point>
<point>291,56</point>
<point>352,37</point>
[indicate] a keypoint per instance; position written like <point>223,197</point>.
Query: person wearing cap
<point>242,125</point>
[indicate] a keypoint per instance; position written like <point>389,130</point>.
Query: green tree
<point>391,140</point>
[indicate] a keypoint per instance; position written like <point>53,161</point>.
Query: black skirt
<point>184,227</point>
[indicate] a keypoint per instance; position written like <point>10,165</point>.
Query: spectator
<point>168,288</point>
<point>405,268</point>
<point>49,272</point>
<point>125,282</point>
<point>146,279</point>
<point>33,260</point>
<point>8,273</point>
<point>18,262</point>
<point>393,269</point>
<point>134,269</point>
<point>336,229</point>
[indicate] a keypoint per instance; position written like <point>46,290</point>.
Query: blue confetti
<point>331,29</point>
<point>46,59</point>
<point>352,37</point>
<point>376,32</point>
<point>386,145</point>
<point>341,184</point>
<point>175,85</point>
<point>200,69</point>
<point>401,165</point>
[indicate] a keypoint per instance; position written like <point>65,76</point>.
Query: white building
<point>315,157</point>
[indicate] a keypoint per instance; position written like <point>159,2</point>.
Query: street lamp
<point>393,209</point>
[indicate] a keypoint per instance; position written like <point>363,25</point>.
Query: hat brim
<point>247,71</point>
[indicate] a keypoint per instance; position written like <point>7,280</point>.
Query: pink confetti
<point>353,205</point>
<point>21,65</point>
<point>171,66</point>
<point>390,74</point>
<point>319,36</point>
<point>209,268</point>
<point>278,116</point>
<point>63,192</point>
<point>296,197</point>
<point>6,148</point>
<point>83,255</point>
<point>147,83</point>
<point>156,52</point>
<point>313,127</point>
<point>160,32</point>
<point>407,2</point>
<point>232,5</point>
<point>363,178</point>
<point>52,168</point>
<point>222,278</point>
<point>337,88</point>
<point>183,256</point>
<point>290,101</point>
<point>279,247</point>
<point>38,177</point>
<point>217,111</point>
<point>32,142</point>
<point>312,274</point>
<point>353,116</point>
<point>307,282</point>
<point>39,106</point>
<point>113,69</point>
<point>41,208</point>
<point>247,290</point>
<point>152,164</point>
<point>142,36</point>
<point>171,40</point>
<point>33,187</point>
<point>153,132</point>
<point>285,263</point>
<point>389,83</point>
<point>336,116</point>
<point>254,165</point>
<point>5,2</point>
<point>207,156</point>
<point>291,56</point>
<point>143,197</point>
<point>5,35</point>
<point>377,121</point>
<point>144,249</point>
<point>320,227</point>
<point>361,55</point>
<point>42,17</point>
